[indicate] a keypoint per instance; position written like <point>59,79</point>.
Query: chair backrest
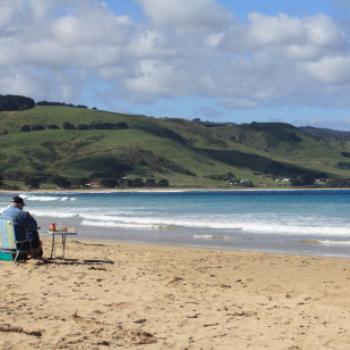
<point>7,233</point>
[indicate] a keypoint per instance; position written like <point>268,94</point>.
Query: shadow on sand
<point>89,262</point>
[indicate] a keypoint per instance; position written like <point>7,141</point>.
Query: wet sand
<point>133,296</point>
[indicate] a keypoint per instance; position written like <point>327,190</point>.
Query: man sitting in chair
<point>25,225</point>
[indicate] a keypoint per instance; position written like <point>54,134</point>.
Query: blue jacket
<point>24,223</point>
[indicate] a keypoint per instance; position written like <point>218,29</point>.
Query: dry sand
<point>130,296</point>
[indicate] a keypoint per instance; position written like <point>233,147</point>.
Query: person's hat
<point>17,199</point>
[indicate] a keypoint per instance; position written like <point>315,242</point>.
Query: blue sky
<point>239,61</point>
<point>242,8</point>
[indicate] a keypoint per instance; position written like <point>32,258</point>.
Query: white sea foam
<point>254,227</point>
<point>261,226</point>
<point>36,198</point>
<point>129,218</point>
<point>54,213</point>
<point>216,237</point>
<point>41,198</point>
<point>116,224</point>
<point>335,243</point>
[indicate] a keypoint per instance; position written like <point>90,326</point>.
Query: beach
<point>136,296</point>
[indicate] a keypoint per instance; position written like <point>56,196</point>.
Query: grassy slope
<point>166,148</point>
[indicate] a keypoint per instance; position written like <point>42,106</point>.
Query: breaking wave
<point>36,198</point>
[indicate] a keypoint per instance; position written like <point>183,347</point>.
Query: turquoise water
<point>302,222</point>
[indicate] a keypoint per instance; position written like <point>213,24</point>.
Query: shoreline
<point>126,295</point>
<point>177,190</point>
<point>210,248</point>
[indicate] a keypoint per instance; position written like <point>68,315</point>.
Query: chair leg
<point>17,253</point>
<point>31,249</point>
<point>18,250</point>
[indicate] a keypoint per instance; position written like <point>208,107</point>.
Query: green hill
<point>83,144</point>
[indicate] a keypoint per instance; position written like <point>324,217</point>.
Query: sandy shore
<point>129,296</point>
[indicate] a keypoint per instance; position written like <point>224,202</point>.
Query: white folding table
<point>63,235</point>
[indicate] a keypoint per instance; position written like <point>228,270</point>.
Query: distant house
<point>246,182</point>
<point>94,184</point>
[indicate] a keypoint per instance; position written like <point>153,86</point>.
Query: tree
<point>60,181</point>
<point>33,181</point>
<point>53,126</point>
<point>38,127</point>
<point>1,181</point>
<point>68,126</point>
<point>80,181</point>
<point>15,103</point>
<point>150,182</point>
<point>163,183</point>
<point>137,182</point>
<point>338,182</point>
<point>303,180</point>
<point>26,128</point>
<point>109,182</point>
<point>83,127</point>
<point>122,125</point>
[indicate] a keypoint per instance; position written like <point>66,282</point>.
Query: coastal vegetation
<point>52,145</point>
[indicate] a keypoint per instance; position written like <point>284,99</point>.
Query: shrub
<point>26,128</point>
<point>68,126</point>
<point>122,125</point>
<point>338,182</point>
<point>109,182</point>
<point>80,181</point>
<point>37,127</point>
<point>15,103</point>
<point>83,127</point>
<point>343,165</point>
<point>163,183</point>
<point>137,182</point>
<point>15,175</point>
<point>53,126</point>
<point>33,181</point>
<point>108,126</point>
<point>303,180</point>
<point>150,182</point>
<point>54,103</point>
<point>60,181</point>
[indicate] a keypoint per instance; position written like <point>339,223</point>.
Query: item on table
<point>53,227</point>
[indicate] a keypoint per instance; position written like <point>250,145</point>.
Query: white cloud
<point>8,9</point>
<point>157,78</point>
<point>275,30</point>
<point>183,48</point>
<point>182,14</point>
<point>330,70</point>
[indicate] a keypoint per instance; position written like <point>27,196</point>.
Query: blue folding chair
<point>10,247</point>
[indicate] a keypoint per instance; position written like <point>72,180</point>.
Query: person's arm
<point>30,223</point>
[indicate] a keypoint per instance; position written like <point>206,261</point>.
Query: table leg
<point>64,240</point>
<point>52,245</point>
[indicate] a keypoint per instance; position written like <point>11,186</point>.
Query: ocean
<point>310,222</point>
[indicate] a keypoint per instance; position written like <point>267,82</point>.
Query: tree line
<point>15,103</point>
<point>35,180</point>
<point>70,126</point>
<point>20,103</point>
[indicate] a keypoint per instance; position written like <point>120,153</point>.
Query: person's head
<point>18,202</point>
